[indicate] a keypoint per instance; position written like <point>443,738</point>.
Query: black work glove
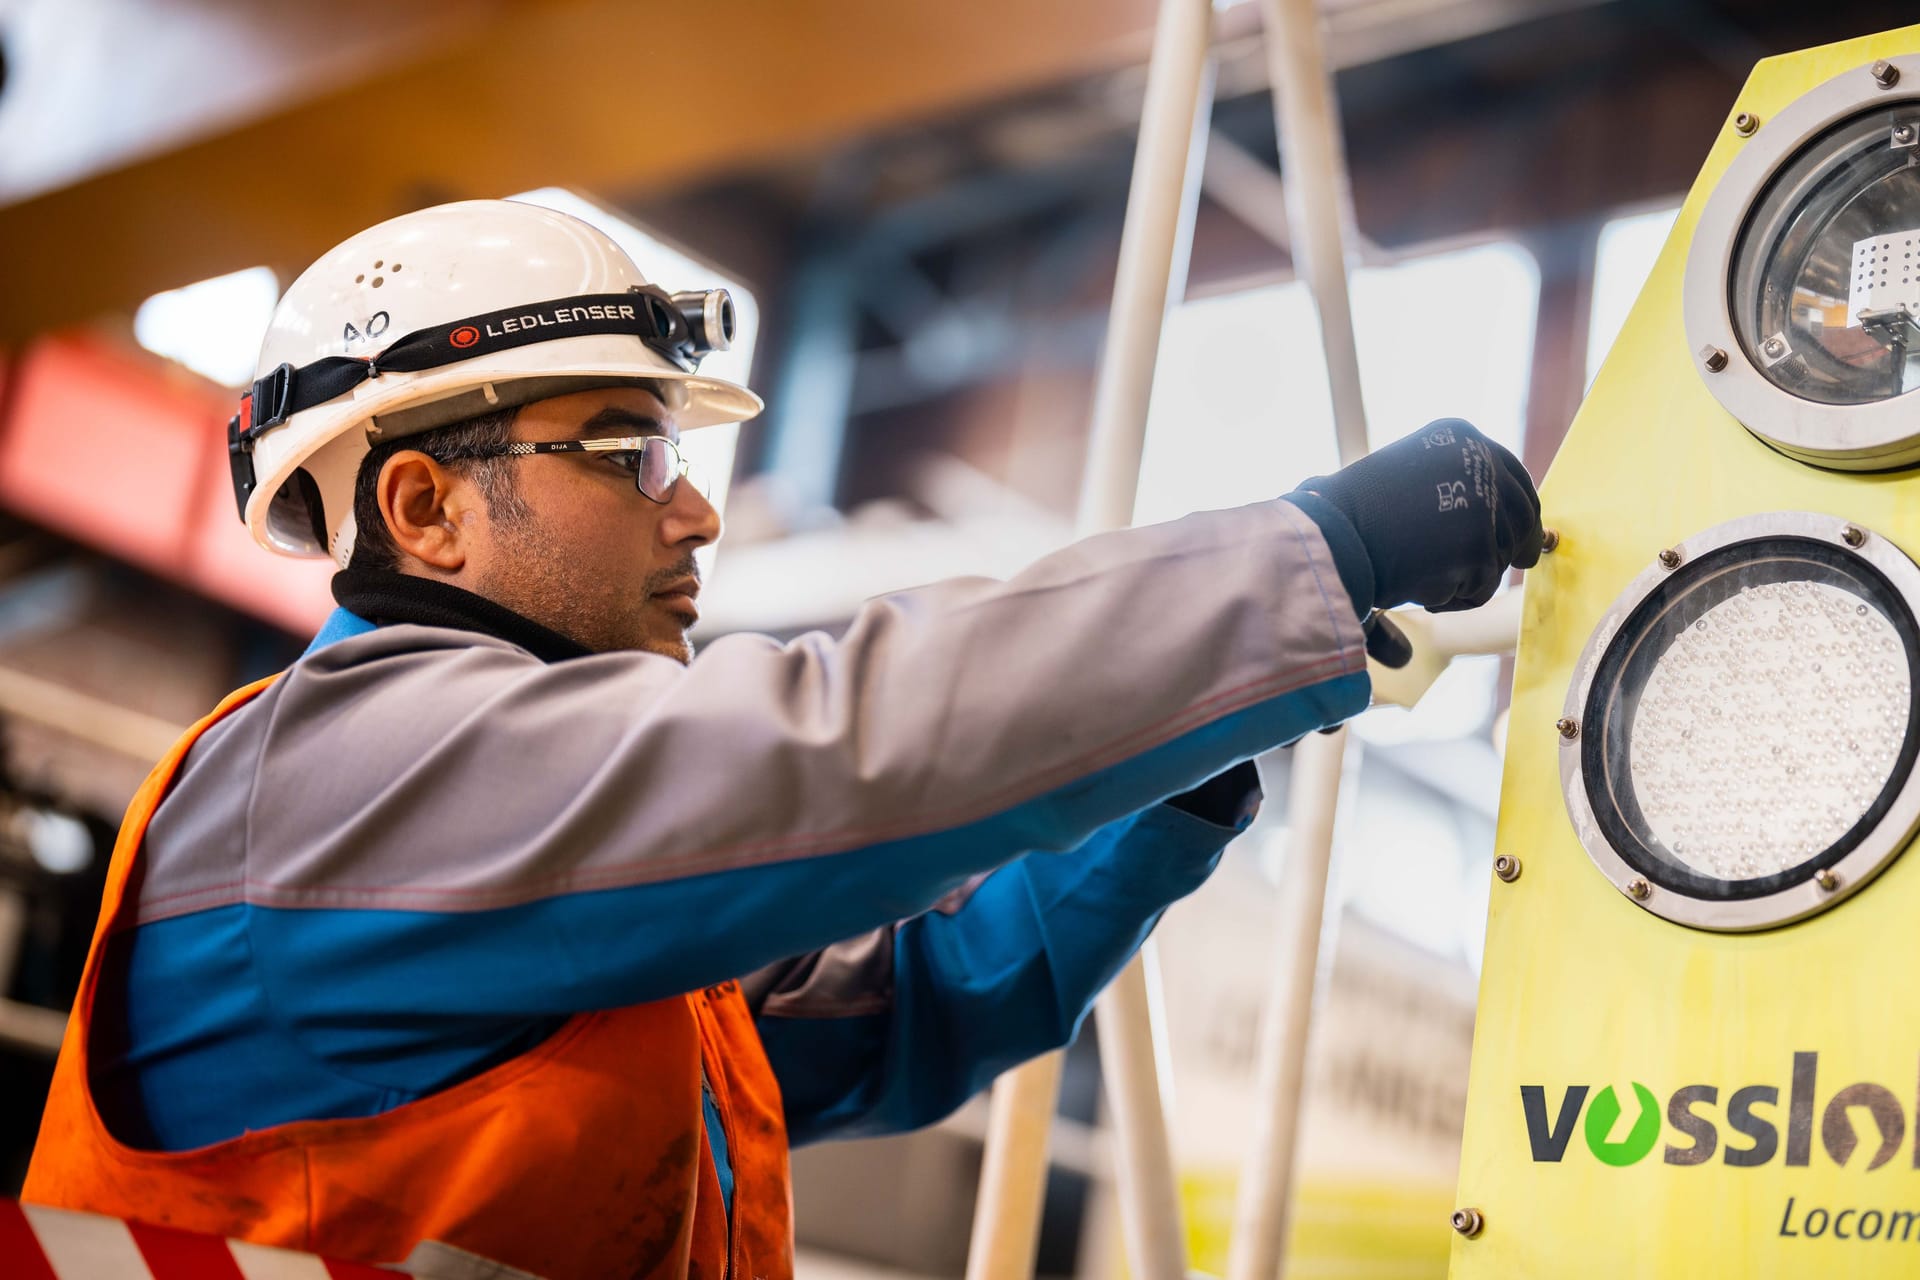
<point>1441,513</point>
<point>1227,799</point>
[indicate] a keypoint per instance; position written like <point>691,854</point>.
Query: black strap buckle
<point>266,405</point>
<point>272,401</point>
<point>240,458</point>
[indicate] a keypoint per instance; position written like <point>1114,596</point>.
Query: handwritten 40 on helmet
<point>441,315</point>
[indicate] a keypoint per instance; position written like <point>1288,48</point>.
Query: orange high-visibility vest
<point>583,1159</point>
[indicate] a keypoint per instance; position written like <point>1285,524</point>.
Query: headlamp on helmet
<point>499,304</point>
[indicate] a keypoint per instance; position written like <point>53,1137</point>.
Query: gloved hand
<point>1227,799</point>
<point>1441,514</point>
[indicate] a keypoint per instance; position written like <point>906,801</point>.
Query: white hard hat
<point>441,315</point>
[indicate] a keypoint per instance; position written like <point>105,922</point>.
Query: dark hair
<point>454,446</point>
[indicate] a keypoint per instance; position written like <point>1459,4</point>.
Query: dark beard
<point>529,576</point>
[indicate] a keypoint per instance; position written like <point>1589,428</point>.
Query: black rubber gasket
<point>1688,593</point>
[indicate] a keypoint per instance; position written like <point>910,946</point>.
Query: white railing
<point>1168,164</point>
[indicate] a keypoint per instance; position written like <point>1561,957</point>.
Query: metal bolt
<point>1507,867</point>
<point>1714,358</point>
<point>1569,727</point>
<point>1773,348</point>
<point>1549,542</point>
<point>1905,136</point>
<point>1885,74</point>
<point>1639,890</point>
<point>1746,124</point>
<point>1853,535</point>
<point>1669,559</point>
<point>1827,881</point>
<point>1467,1222</point>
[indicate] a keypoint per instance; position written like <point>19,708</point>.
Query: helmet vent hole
<point>378,281</point>
<point>359,278</point>
<point>377,263</point>
<point>394,269</point>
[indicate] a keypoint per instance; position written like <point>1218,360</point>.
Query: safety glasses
<point>655,462</point>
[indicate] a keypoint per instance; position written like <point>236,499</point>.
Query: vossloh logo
<point>1751,1116</point>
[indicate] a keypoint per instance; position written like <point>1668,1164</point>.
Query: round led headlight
<point>1739,740</point>
<point>1803,280</point>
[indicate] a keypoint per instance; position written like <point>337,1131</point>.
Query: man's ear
<point>424,506</point>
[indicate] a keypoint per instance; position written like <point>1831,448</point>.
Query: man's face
<point>595,559</point>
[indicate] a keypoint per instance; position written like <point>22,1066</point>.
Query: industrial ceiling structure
<point>148,143</point>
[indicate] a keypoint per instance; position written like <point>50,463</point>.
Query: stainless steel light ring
<point>1880,846</point>
<point>1862,437</point>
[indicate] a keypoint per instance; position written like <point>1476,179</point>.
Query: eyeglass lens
<point>659,469</point>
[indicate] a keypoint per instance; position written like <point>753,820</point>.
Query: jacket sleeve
<point>895,1029</point>
<point>444,838</point>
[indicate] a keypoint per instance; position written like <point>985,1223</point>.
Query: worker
<point>501,926</point>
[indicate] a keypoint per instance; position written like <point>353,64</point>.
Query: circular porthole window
<point>1803,282</point>
<point>1740,738</point>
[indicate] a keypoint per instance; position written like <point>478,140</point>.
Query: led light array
<point>1886,275</point>
<point>1768,728</point>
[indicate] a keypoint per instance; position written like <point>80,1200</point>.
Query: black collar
<point>381,596</point>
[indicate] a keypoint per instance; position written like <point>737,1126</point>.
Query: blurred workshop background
<point>918,207</point>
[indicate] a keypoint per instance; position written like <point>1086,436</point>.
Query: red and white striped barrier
<point>38,1243</point>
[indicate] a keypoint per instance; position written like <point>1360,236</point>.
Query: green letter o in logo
<point>1605,1109</point>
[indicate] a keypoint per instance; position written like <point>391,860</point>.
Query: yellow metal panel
<point>1582,987</point>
